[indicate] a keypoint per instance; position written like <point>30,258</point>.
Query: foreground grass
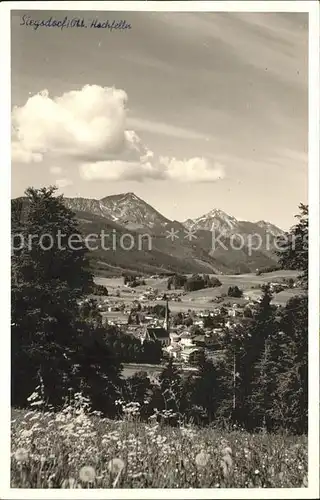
<point>75,449</point>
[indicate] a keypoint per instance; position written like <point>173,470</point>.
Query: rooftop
<point>159,333</point>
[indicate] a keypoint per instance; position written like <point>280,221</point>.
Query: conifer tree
<point>293,252</point>
<point>246,348</point>
<point>290,367</point>
<point>50,274</point>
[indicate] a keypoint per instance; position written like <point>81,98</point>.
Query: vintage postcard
<point>161,190</point>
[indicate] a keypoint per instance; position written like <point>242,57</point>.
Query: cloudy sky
<point>190,111</point>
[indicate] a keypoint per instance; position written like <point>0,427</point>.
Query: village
<point>186,327</point>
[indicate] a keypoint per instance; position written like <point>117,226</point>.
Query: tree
<point>50,275</point>
<point>290,282</point>
<point>246,350</point>
<point>223,311</point>
<point>289,366</point>
<point>208,322</point>
<point>52,246</point>
<point>196,282</point>
<point>247,313</point>
<point>151,352</point>
<point>176,281</point>
<point>129,278</point>
<point>138,389</point>
<point>99,290</point>
<point>234,291</point>
<point>195,330</point>
<point>89,312</point>
<point>212,282</point>
<point>159,310</point>
<point>188,321</point>
<point>177,319</point>
<point>169,394</point>
<point>197,358</point>
<point>96,369</point>
<point>45,287</point>
<point>211,390</point>
<point>293,249</point>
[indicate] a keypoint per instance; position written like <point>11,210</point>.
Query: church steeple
<point>166,318</point>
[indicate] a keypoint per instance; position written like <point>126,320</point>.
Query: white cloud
<point>88,126</point>
<point>62,183</point>
<point>78,123</point>
<point>192,170</point>
<point>119,170</point>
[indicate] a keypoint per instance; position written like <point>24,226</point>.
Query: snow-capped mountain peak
<point>131,211</point>
<point>216,219</point>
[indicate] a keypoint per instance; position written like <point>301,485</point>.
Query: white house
<point>174,350</point>
<point>188,352</point>
<point>199,322</point>
<point>174,337</point>
<point>186,339</point>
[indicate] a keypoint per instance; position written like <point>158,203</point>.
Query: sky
<point>190,111</point>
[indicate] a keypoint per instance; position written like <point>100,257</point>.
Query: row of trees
<point>269,357</point>
<point>128,349</point>
<point>262,379</point>
<point>198,398</point>
<point>133,280</point>
<point>195,282</point>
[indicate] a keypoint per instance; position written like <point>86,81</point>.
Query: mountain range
<point>162,246</point>
<point>132,212</point>
<point>176,246</point>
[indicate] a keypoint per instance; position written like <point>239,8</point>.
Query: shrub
<point>99,290</point>
<point>176,281</point>
<point>234,291</point>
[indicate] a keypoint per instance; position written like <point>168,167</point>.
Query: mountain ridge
<point>109,205</point>
<point>126,208</point>
<point>176,246</point>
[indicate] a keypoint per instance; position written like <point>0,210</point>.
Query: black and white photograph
<point>161,315</point>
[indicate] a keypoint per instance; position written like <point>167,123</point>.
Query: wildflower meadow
<point>77,448</point>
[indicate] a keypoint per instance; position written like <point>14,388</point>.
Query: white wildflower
<point>21,455</point>
<point>115,465</point>
<point>202,459</point>
<point>87,474</point>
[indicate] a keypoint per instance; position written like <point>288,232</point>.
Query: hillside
<point>162,256</point>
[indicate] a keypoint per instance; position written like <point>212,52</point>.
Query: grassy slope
<point>201,299</point>
<point>154,457</point>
